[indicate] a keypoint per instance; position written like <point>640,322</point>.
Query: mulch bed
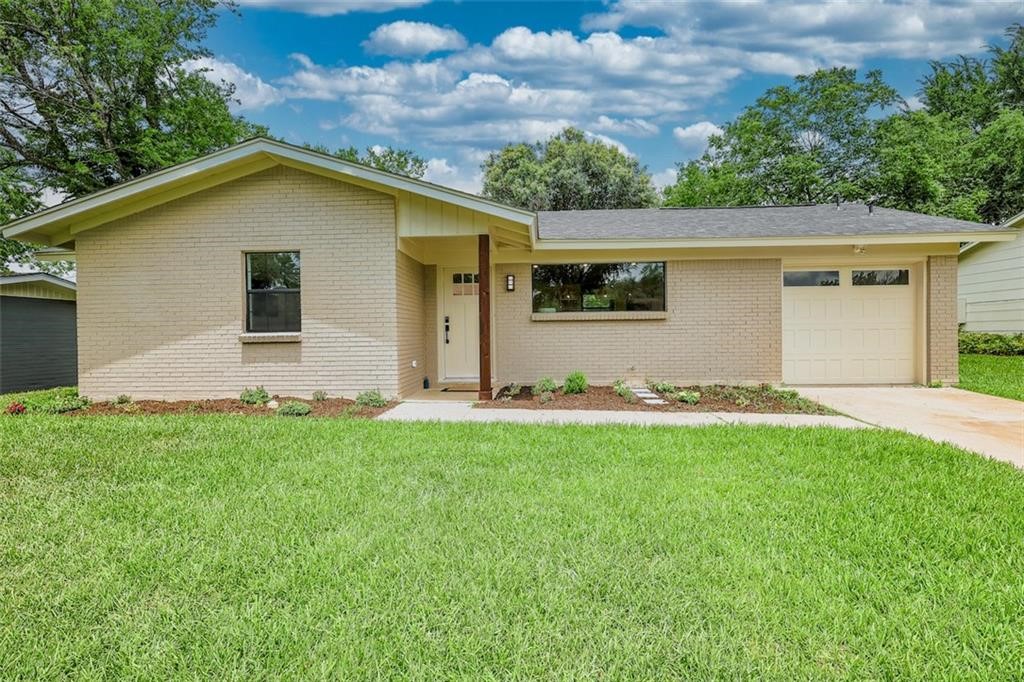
<point>332,407</point>
<point>759,400</point>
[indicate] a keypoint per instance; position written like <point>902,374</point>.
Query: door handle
<point>447,328</point>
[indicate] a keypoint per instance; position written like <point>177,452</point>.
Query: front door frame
<point>444,275</point>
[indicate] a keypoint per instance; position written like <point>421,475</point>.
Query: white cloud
<point>610,141</point>
<point>326,8</point>
<point>694,138</point>
<point>526,85</point>
<point>412,39</point>
<point>460,177</point>
<point>914,103</point>
<point>636,127</point>
<point>251,91</point>
<point>663,179</point>
<point>786,37</point>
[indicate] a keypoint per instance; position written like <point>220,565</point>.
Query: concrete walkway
<point>413,410</point>
<point>974,421</point>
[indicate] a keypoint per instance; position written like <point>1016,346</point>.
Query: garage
<point>850,325</point>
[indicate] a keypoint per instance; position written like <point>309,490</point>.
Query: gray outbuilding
<point>38,347</point>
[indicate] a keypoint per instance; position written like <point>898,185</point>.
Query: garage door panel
<point>849,334</point>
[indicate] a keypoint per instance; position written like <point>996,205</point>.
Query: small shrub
<point>255,396</point>
<point>982,343</point>
<point>544,385</point>
<point>513,389</point>
<point>66,404</point>
<point>293,408</point>
<point>742,401</point>
<point>319,396</point>
<point>546,397</point>
<point>688,397</point>
<point>575,383</point>
<point>621,388</point>
<point>662,387</point>
<point>15,408</point>
<point>371,399</point>
<point>935,384</point>
<point>122,399</point>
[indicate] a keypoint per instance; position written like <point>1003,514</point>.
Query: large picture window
<point>598,287</point>
<point>272,292</point>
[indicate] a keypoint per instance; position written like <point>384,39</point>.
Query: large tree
<point>806,143</point>
<point>96,92</point>
<point>567,172</point>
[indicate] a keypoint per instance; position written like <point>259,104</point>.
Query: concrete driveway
<point>974,421</point>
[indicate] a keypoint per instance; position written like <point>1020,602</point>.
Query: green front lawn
<point>232,547</point>
<point>1001,375</point>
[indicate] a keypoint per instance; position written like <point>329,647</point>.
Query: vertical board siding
<point>37,343</point>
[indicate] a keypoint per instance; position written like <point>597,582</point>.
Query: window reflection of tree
<point>598,287</point>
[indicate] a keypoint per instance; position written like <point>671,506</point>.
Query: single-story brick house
<point>268,264</point>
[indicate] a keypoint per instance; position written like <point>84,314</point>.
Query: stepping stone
<point>655,401</point>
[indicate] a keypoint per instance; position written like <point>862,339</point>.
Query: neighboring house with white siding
<point>990,285</point>
<point>268,264</point>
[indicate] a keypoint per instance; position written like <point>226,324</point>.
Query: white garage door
<point>848,326</point>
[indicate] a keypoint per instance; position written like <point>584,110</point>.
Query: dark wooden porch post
<point>484,266</point>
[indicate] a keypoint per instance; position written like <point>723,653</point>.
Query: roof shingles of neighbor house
<point>811,220</point>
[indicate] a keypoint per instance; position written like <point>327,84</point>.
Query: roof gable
<point>59,224</point>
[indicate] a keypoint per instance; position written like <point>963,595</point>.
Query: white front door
<point>843,325</point>
<point>460,323</point>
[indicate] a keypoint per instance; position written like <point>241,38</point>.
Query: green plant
<point>319,396</point>
<point>688,397</point>
<point>293,408</point>
<point>122,399</point>
<point>621,388</point>
<point>544,385</point>
<point>371,399</point>
<point>66,404</point>
<point>513,389</point>
<point>254,396</point>
<point>575,383</point>
<point>546,397</point>
<point>192,408</point>
<point>935,384</point>
<point>662,387</point>
<point>742,401</point>
<point>979,343</point>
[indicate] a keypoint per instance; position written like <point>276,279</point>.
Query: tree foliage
<point>831,135</point>
<point>95,93</point>
<point>567,172</point>
<point>398,161</point>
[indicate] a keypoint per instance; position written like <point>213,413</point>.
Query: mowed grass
<point>238,548</point>
<point>1001,375</point>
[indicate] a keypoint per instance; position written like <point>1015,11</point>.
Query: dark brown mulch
<point>754,399</point>
<point>332,407</point>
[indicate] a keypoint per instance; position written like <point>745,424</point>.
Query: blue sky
<point>454,81</point>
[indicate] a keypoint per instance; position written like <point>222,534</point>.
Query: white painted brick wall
<point>724,325</point>
<point>161,300</point>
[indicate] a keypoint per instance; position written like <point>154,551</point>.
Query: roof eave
<point>740,242</point>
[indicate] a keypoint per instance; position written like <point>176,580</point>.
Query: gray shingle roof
<point>819,220</point>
